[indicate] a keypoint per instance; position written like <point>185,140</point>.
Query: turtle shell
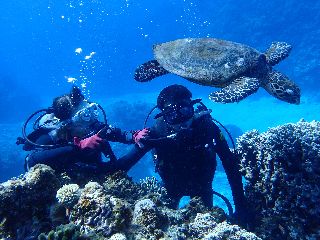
<point>206,61</point>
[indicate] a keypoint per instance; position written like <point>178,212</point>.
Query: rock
<point>25,201</point>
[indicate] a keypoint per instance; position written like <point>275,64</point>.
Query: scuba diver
<point>185,141</point>
<point>71,135</point>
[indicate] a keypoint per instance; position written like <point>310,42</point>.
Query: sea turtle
<point>236,68</point>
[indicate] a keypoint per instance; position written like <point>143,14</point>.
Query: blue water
<point>38,40</point>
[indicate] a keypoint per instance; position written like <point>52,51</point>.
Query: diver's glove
<point>139,135</point>
<point>93,142</point>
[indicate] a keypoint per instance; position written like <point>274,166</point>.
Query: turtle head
<point>290,93</point>
<point>282,88</point>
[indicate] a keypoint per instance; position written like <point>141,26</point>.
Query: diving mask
<point>178,113</point>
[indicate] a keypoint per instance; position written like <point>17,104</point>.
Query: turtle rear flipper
<point>148,71</point>
<point>279,86</point>
<point>236,91</point>
<point>277,52</point>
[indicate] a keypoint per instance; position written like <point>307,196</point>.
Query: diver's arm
<point>114,134</point>
<point>38,136</point>
<point>53,157</point>
<point>126,162</point>
<point>231,166</point>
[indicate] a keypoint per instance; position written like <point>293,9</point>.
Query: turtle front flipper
<point>277,52</point>
<point>148,71</point>
<point>279,86</point>
<point>236,91</point>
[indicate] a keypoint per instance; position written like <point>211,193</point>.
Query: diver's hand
<point>140,135</point>
<point>93,142</point>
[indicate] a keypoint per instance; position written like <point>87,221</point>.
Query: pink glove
<point>92,142</point>
<point>140,134</point>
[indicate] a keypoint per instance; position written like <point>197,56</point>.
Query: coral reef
<point>106,210</point>
<point>63,232</point>
<point>152,185</point>
<point>118,236</point>
<point>122,186</point>
<point>93,210</point>
<point>25,200</point>
<point>98,212</point>
<point>68,195</point>
<point>204,226</point>
<point>152,188</point>
<point>282,169</point>
<point>146,214</point>
<point>201,224</point>
<point>232,232</point>
<point>116,209</point>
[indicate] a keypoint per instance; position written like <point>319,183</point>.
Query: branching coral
<point>152,188</point>
<point>152,185</point>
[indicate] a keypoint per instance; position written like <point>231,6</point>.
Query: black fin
<point>149,71</point>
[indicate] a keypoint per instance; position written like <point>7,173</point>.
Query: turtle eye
<point>289,91</point>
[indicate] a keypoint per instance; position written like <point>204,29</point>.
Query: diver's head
<point>76,96</point>
<point>62,107</point>
<point>175,104</point>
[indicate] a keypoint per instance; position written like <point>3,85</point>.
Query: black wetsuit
<point>187,162</point>
<point>68,157</point>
